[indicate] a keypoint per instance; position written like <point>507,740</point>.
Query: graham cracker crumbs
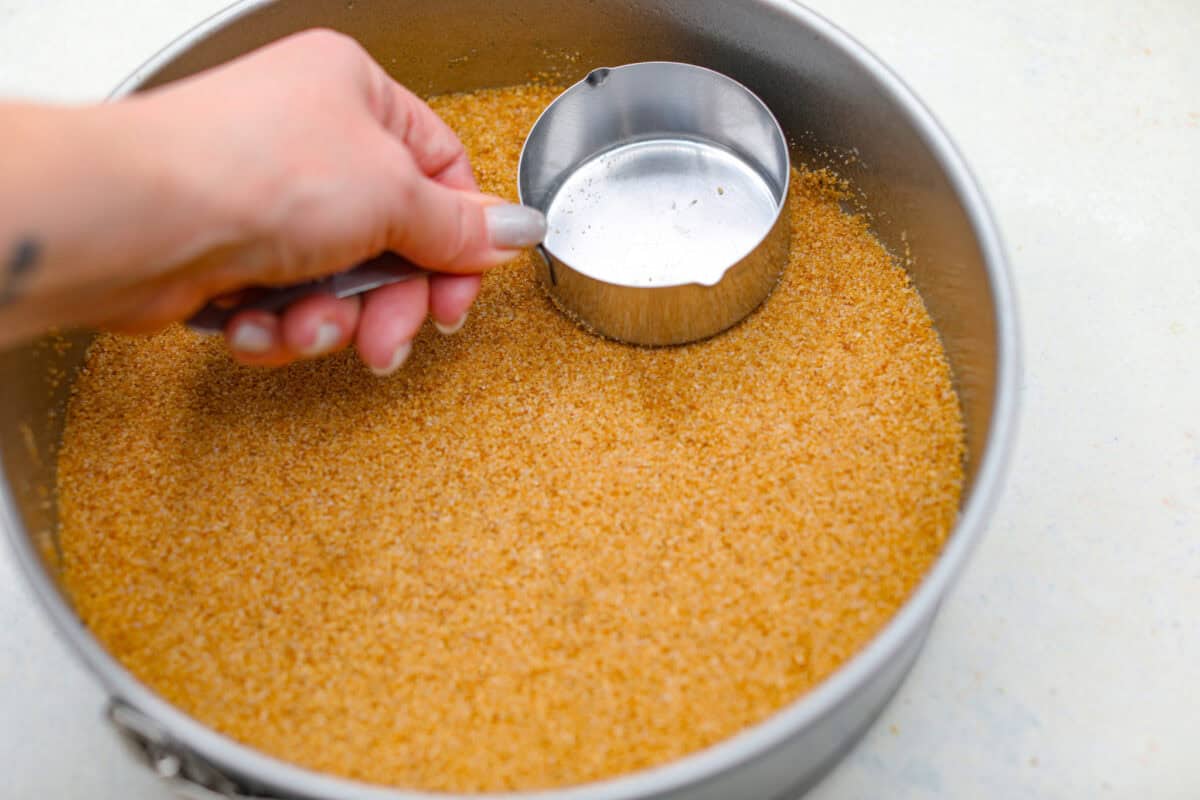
<point>535,557</point>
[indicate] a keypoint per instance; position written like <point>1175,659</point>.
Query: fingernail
<point>250,337</point>
<point>328,335</point>
<point>453,327</point>
<point>398,359</point>
<point>511,225</point>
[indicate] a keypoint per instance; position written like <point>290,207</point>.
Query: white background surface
<point>1064,664</point>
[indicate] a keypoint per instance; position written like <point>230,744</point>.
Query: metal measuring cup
<point>664,187</point>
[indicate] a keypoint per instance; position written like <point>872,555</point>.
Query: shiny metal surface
<point>835,100</point>
<point>384,270</point>
<point>663,186</point>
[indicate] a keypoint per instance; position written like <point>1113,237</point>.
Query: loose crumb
<point>534,557</point>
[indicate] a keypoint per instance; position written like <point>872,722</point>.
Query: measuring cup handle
<point>383,270</point>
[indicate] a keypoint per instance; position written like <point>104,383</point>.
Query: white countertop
<point>1064,664</point>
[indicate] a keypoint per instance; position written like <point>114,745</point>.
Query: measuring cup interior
<point>655,174</point>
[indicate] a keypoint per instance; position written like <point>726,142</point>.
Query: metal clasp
<point>187,775</point>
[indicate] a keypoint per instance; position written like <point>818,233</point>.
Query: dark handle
<point>383,270</point>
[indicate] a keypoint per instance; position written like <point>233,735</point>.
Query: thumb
<point>454,230</point>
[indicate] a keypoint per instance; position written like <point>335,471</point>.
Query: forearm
<point>90,206</point>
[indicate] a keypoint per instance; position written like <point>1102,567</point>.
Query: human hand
<point>305,158</point>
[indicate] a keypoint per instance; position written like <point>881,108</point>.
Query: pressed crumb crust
<point>534,557</point>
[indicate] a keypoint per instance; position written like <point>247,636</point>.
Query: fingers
<point>253,339</point>
<point>310,328</point>
<point>391,317</point>
<point>435,147</point>
<point>383,324</point>
<point>319,324</point>
<point>451,230</point>
<point>449,298</point>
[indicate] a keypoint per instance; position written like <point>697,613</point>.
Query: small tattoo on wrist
<point>17,268</point>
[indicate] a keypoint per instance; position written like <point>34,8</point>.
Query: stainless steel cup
<point>664,187</point>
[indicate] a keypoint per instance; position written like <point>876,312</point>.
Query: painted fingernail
<point>252,338</point>
<point>328,335</point>
<point>511,225</point>
<point>398,358</point>
<point>453,327</point>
